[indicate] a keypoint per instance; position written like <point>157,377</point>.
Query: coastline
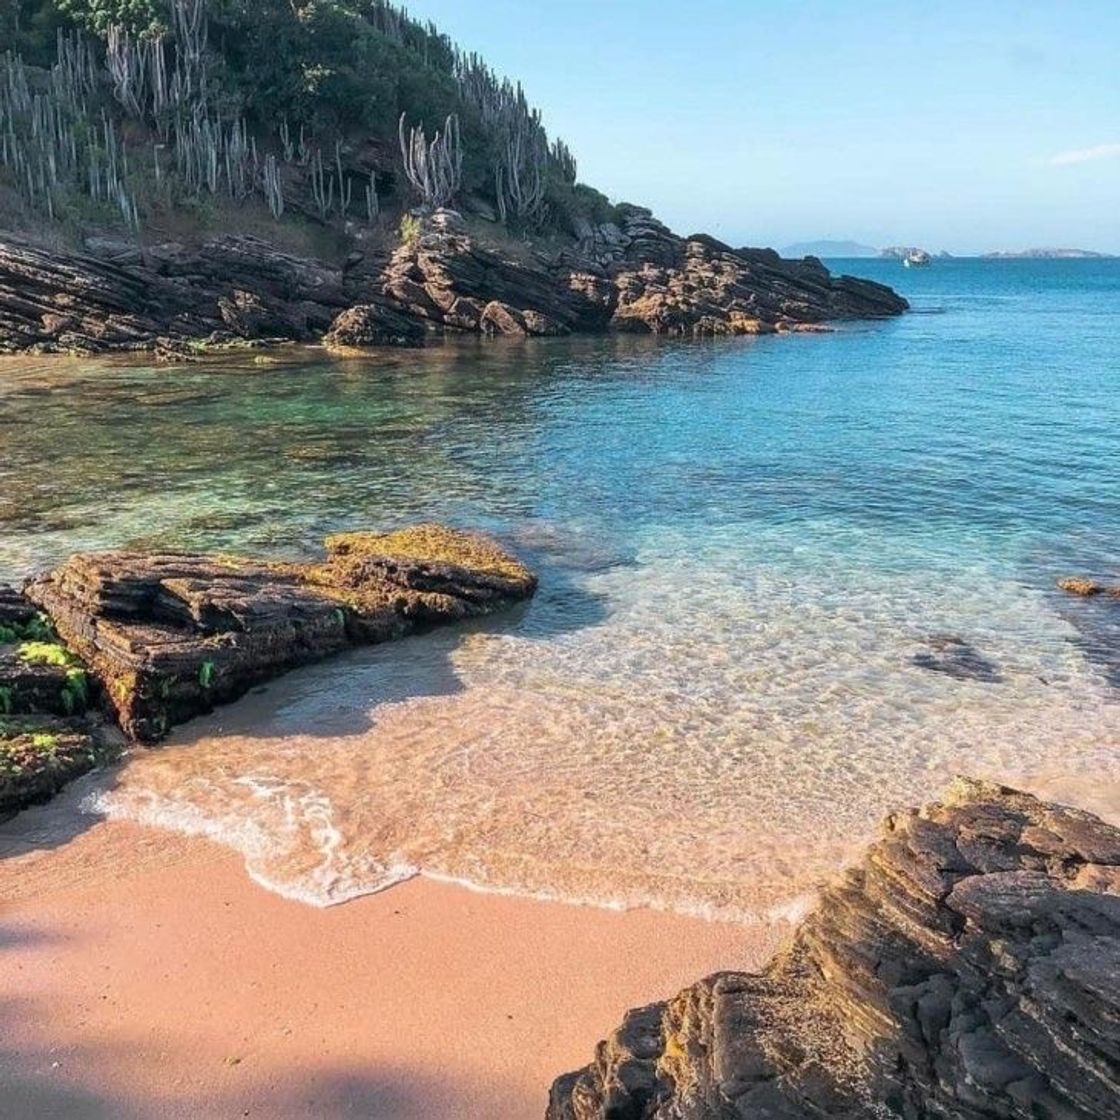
<point>155,977</point>
<point>149,975</point>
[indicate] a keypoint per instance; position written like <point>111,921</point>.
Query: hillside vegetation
<point>338,114</point>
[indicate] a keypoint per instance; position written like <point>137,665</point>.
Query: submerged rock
<point>1092,608</point>
<point>957,658</point>
<point>1087,587</point>
<point>968,968</point>
<point>169,635</point>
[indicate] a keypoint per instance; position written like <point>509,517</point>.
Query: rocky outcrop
<point>633,276</point>
<point>169,635</point>
<point>1087,588</point>
<point>968,968</point>
<point>38,756</point>
<point>665,284</point>
<point>637,276</point>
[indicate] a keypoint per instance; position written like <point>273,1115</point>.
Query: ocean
<point>788,584</point>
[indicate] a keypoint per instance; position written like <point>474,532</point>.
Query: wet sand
<point>143,974</point>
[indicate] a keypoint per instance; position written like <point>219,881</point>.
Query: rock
<point>500,318</point>
<point>968,968</point>
<point>16,613</point>
<point>448,221</point>
<point>1087,587</point>
<point>955,657</point>
<point>38,756</point>
<point>41,677</point>
<point>48,734</point>
<point>637,275</point>
<point>170,635</point>
<point>374,324</point>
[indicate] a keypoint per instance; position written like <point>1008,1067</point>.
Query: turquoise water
<point>752,551</point>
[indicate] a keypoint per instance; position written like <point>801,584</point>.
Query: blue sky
<point>963,126</point>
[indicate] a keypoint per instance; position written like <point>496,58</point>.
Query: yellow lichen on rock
<point>434,544</point>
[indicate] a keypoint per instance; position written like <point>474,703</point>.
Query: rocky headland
<point>968,968</point>
<point>142,641</point>
<point>633,275</point>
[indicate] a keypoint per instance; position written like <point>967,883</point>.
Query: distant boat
<point>916,258</point>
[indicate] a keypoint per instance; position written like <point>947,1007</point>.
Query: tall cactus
<point>434,169</point>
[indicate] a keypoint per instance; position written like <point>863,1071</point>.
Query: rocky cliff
<point>968,968</point>
<point>636,276</point>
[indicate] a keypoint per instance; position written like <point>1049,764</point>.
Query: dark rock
<point>968,969</point>
<point>637,276</point>
<point>16,612</point>
<point>39,755</point>
<point>48,734</point>
<point>170,635</point>
<point>955,657</point>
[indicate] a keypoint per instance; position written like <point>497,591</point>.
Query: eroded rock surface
<point>170,635</point>
<point>969,968</point>
<point>637,276</point>
<point>634,276</point>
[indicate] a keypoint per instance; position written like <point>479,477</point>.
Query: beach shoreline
<point>147,975</point>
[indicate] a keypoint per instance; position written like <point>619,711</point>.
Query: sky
<point>959,126</point>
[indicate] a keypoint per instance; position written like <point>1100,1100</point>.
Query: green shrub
<point>410,228</point>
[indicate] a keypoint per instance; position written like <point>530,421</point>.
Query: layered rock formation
<point>168,636</point>
<point>230,288</point>
<point>633,276</point>
<point>49,729</point>
<point>969,968</point>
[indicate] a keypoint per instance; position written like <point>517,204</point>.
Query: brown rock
<point>1079,586</point>
<point>170,635</point>
<point>968,969</point>
<point>374,324</point>
<point>500,318</point>
<point>639,276</point>
<point>38,756</point>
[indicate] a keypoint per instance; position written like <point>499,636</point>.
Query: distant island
<point>1047,255</point>
<point>827,248</point>
<point>901,252</point>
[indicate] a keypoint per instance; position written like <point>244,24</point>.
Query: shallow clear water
<point>743,545</point>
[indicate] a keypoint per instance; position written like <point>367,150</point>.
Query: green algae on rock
<point>39,755</point>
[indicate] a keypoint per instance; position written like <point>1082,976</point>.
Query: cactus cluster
<point>54,138</point>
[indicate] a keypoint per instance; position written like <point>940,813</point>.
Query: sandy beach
<point>145,975</point>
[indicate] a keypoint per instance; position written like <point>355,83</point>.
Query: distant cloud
<point>1084,155</point>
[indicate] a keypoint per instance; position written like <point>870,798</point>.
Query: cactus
<point>434,169</point>
<point>373,205</point>
<point>273,188</point>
